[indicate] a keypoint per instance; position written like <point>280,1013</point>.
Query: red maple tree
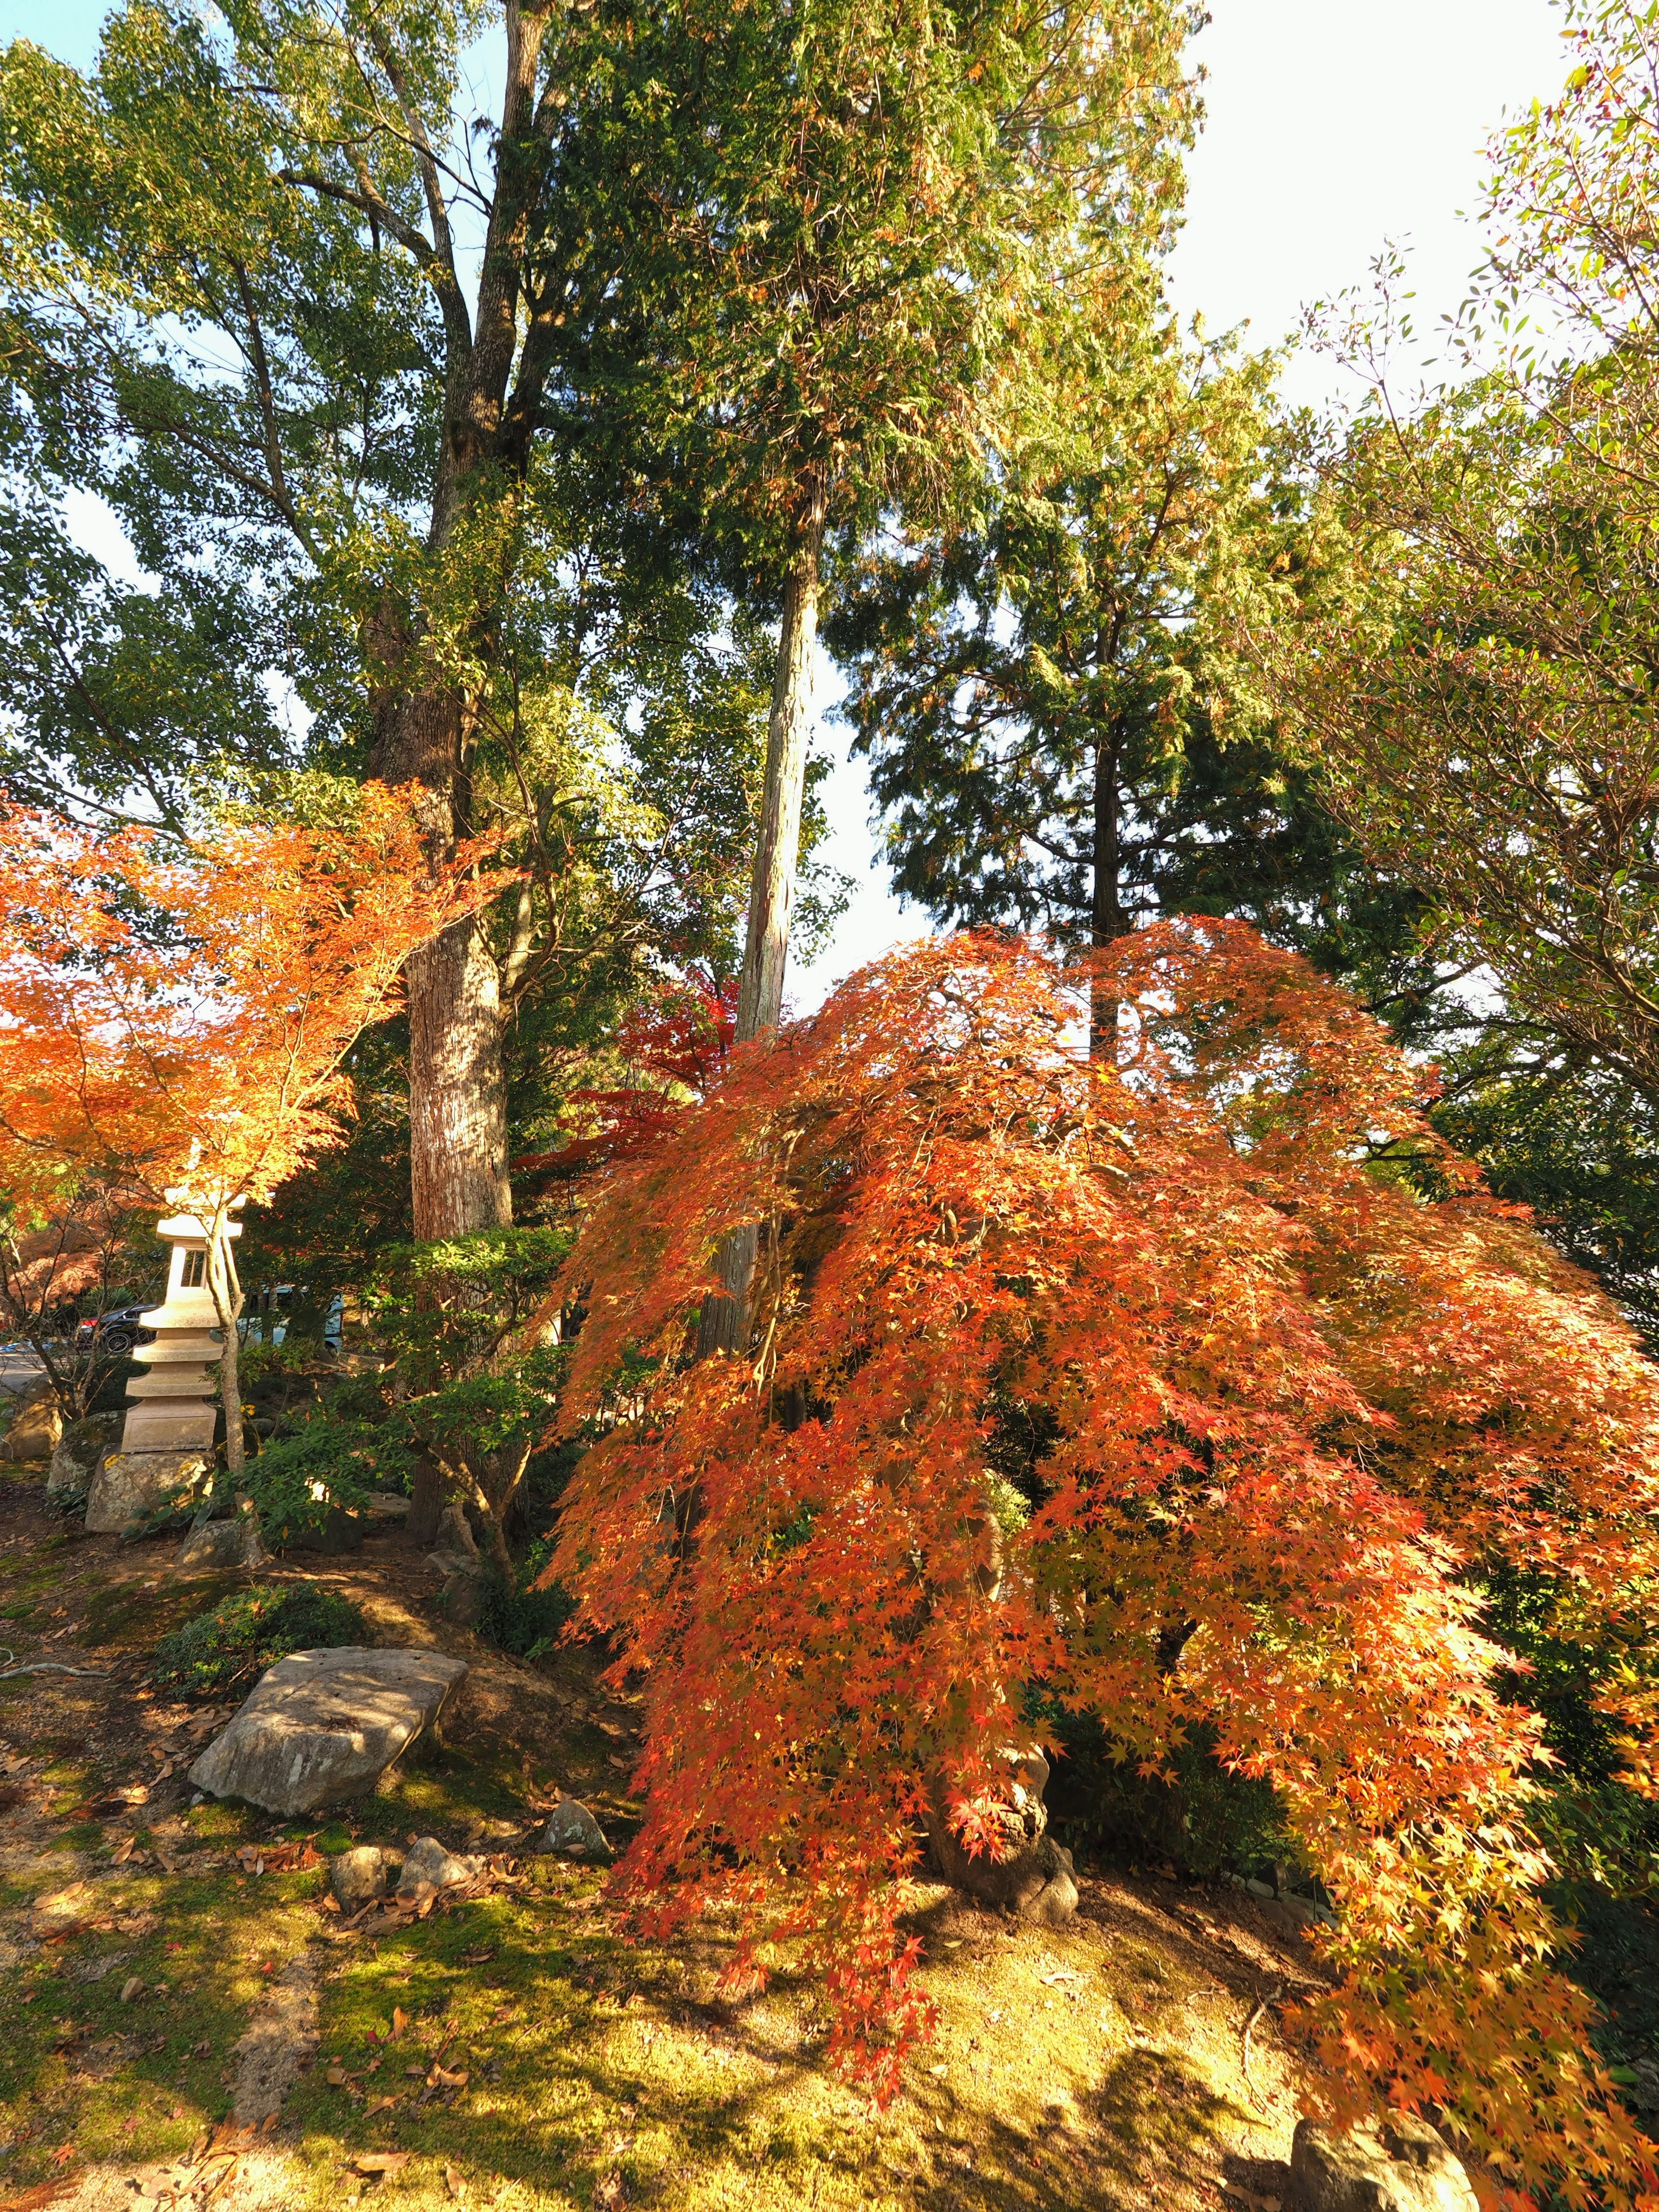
<point>1281,1370</point>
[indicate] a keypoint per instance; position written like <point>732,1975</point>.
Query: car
<point>116,1331</point>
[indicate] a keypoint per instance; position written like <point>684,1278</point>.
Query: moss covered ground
<point>518,2050</point>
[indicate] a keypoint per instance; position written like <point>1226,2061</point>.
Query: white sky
<point>1333,125</point>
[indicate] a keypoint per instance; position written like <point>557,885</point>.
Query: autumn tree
<point>176,1013</point>
<point>1184,1389</point>
<point>68,1253</point>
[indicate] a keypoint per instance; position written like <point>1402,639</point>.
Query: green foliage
<point>323,1461</point>
<point>1200,1820</point>
<point>517,1617</point>
<point>248,1631</point>
<point>1600,1832</point>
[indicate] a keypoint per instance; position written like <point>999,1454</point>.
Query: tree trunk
<point>457,1086</point>
<point>788,740</point>
<point>225,1290</point>
<point>457,1075</point>
<point>723,1324</point>
<point>1106,915</point>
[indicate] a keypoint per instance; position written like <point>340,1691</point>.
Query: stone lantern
<point>166,1445</point>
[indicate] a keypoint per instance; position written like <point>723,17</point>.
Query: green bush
<point>516,1618</point>
<point>1205,1821</point>
<point>247,1631</point>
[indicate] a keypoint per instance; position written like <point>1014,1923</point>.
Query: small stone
<point>221,1544</point>
<point>428,1865</point>
<point>36,1432</point>
<point>1260,1889</point>
<point>359,1876</point>
<point>1400,2165</point>
<point>571,1833</point>
<point>130,1988</point>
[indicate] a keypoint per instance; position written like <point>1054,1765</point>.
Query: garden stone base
<point>132,1486</point>
<point>82,1446</point>
<point>324,1726</point>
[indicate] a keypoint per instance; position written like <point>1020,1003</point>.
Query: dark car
<point>117,1332</point>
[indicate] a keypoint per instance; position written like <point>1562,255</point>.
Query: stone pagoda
<point>166,1445</point>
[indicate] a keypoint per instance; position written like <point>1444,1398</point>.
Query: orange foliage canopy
<point>185,1010</point>
<point>1279,1397</point>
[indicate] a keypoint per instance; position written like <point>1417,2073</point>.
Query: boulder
<point>35,1431</point>
<point>129,1486</point>
<point>78,1455</point>
<point>430,1866</point>
<point>571,1833</point>
<point>320,1726</point>
<point>358,1877</point>
<point>1399,2165</point>
<point>220,1543</point>
<point>1026,1871</point>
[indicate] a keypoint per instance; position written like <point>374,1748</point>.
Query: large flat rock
<point>324,1726</point>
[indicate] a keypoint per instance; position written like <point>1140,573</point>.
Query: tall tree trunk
<point>1106,914</point>
<point>457,1076</point>
<point>723,1324</point>
<point>789,740</point>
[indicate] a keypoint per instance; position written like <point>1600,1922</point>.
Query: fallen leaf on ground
<point>478,1958</point>
<point>399,2022</point>
<point>380,2162</point>
<point>62,1911</point>
<point>130,1988</point>
<point>453,2183</point>
<point>378,2104</point>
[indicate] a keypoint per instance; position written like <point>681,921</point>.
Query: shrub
<point>1200,1819</point>
<point>517,1617</point>
<point>248,1631</point>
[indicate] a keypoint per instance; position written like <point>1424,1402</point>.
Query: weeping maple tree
<point>1185,1390</point>
<point>177,1011</point>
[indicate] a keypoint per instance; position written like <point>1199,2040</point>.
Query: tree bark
<point>457,1077</point>
<point>1106,914</point>
<point>225,1290</point>
<point>723,1324</point>
<point>789,740</point>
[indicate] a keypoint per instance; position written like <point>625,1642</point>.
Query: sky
<point>1333,126</point>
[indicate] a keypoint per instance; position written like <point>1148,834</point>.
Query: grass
<point>1075,2071</point>
<point>1097,2070</point>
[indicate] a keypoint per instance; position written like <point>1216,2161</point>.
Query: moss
<point>127,1616</point>
<point>248,1631</point>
